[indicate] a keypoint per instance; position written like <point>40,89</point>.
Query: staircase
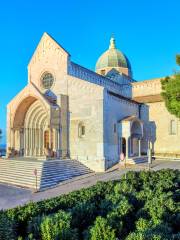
<point>137,160</point>
<point>21,172</point>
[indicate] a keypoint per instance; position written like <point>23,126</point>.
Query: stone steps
<point>49,173</point>
<point>137,160</point>
<point>163,158</point>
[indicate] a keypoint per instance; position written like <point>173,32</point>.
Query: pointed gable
<point>47,45</point>
<point>49,56</point>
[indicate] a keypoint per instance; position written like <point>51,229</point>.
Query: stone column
<point>34,142</point>
<point>21,139</point>
<point>58,143</point>
<point>120,145</point>
<point>127,148</point>
<point>40,142</point>
<point>31,140</point>
<point>24,146</point>
<point>139,146</point>
<point>28,142</point>
<point>21,135</point>
<point>37,141</point>
<point>54,139</point>
<point>130,146</point>
<point>54,146</point>
<point>12,138</point>
<point>17,141</point>
<point>50,140</point>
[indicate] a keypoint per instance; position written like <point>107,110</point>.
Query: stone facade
<point>157,119</point>
<point>76,113</point>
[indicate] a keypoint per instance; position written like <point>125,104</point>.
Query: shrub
<point>144,205</point>
<point>83,214</point>
<point>57,227</point>
<point>7,227</point>
<point>101,230</point>
<point>142,224</point>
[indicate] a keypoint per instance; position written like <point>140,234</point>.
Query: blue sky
<point>148,32</point>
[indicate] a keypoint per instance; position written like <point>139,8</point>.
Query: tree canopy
<point>171,91</point>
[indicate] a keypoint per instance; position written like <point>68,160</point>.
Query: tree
<point>171,92</point>
<point>178,59</point>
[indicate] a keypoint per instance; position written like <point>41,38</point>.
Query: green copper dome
<point>112,58</point>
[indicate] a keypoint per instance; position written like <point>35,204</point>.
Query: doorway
<point>123,146</point>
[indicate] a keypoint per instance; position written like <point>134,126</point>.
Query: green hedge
<point>142,205</point>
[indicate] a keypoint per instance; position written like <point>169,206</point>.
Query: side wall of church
<point>157,120</point>
<point>86,109</point>
<point>115,109</point>
<point>158,127</point>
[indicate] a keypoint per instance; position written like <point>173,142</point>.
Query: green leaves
<point>101,230</point>
<point>171,92</point>
<point>178,59</point>
<point>143,206</point>
<point>7,227</point>
<point>57,227</point>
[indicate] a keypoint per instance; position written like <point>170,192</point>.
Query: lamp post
<point>149,158</point>
<point>149,151</point>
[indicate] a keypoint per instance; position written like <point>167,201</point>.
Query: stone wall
<point>145,88</point>
<point>115,109</point>
<point>156,119</point>
<point>86,108</point>
<point>158,126</point>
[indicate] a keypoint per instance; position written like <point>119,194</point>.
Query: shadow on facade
<point>149,137</point>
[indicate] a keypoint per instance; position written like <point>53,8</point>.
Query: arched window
<point>81,130</point>
<point>173,128</point>
<point>47,80</point>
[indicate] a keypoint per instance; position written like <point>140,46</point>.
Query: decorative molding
<point>90,76</point>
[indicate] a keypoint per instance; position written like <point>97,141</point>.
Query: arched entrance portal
<point>135,138</point>
<point>33,134</point>
<point>131,130</point>
<point>35,127</point>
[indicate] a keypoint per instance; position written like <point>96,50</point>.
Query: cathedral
<point>69,112</point>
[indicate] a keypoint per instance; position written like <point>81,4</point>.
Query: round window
<point>47,80</point>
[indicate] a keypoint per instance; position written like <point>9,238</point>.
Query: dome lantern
<point>112,43</point>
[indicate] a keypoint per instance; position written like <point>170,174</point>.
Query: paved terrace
<point>11,196</point>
